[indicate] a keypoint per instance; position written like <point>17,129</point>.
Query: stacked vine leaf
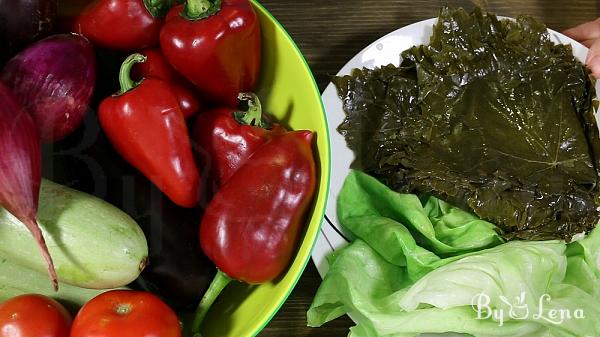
<point>491,116</point>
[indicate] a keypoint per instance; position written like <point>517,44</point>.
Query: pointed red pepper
<point>216,44</point>
<point>145,124</point>
<point>156,65</point>
<point>225,137</point>
<point>251,227</point>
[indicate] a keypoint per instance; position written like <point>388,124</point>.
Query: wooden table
<point>329,33</point>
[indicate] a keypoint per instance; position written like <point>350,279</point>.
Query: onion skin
<point>54,80</point>
<point>24,21</point>
<point>20,168</point>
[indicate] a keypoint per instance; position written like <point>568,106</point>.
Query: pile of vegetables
<point>175,199</point>
<point>474,201</point>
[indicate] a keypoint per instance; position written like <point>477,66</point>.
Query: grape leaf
<point>491,116</point>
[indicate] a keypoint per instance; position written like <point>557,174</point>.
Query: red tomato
<point>33,316</point>
<point>120,313</point>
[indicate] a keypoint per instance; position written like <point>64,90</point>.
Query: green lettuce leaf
<point>419,265</point>
<point>424,229</point>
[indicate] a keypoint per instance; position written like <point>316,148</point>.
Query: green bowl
<point>287,91</point>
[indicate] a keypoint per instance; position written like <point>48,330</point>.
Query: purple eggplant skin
<point>24,21</point>
<point>54,79</point>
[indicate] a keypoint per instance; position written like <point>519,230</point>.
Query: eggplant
<point>178,271</point>
<point>54,80</point>
<point>24,21</point>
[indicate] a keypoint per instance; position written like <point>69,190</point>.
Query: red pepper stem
<point>254,114</point>
<point>125,73</point>
<point>200,9</point>
<point>216,286</point>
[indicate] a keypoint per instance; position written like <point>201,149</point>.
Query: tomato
<point>33,316</point>
<point>120,313</point>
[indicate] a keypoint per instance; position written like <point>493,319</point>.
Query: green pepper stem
<point>254,114</point>
<point>158,8</point>
<point>125,80</point>
<point>200,9</point>
<point>216,286</point>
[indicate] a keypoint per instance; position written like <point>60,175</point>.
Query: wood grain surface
<point>331,32</point>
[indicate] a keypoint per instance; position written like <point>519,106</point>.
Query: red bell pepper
<point>226,138</point>
<point>123,24</point>
<point>157,66</point>
<point>223,40</point>
<point>251,227</point>
<point>146,126</point>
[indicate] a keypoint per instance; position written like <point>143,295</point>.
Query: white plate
<point>384,51</point>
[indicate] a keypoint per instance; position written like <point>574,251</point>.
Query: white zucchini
<point>93,243</point>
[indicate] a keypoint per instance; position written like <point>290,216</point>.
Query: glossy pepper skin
<point>225,137</point>
<point>251,226</point>
<point>146,126</point>
<point>123,24</point>
<point>157,66</point>
<point>222,37</point>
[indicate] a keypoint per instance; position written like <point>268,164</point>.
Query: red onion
<point>20,168</point>
<point>54,79</point>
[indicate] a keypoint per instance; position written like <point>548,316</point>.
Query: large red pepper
<point>123,24</point>
<point>146,126</point>
<point>225,137</point>
<point>251,227</point>
<point>216,45</point>
<point>157,66</point>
